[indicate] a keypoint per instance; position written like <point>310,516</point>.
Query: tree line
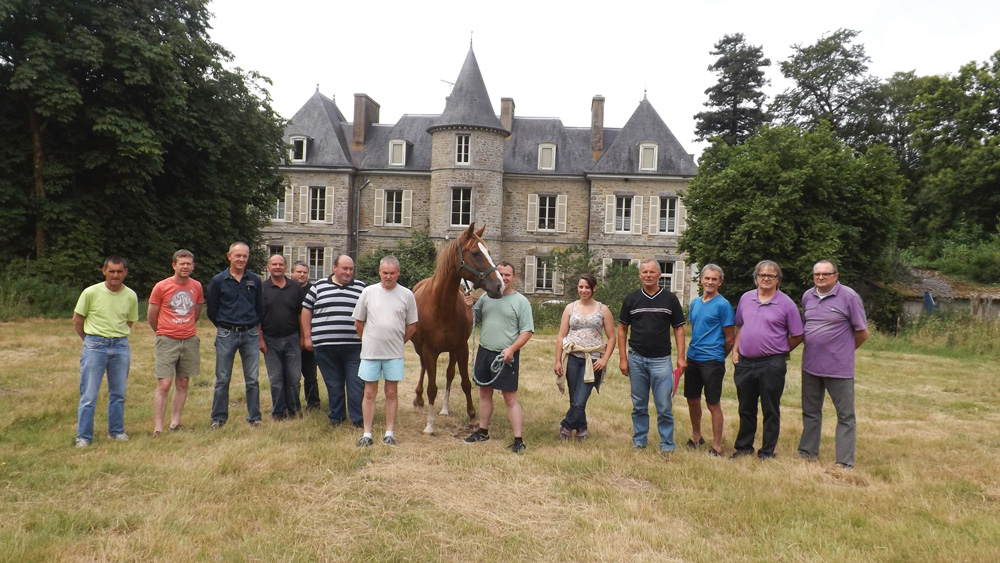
<point>876,174</point>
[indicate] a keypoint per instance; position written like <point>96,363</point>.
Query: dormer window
<point>397,152</point>
<point>547,156</point>
<point>647,157</point>
<point>299,147</point>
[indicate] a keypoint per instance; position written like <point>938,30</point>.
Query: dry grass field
<point>926,486</point>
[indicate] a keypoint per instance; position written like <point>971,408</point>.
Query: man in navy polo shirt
<point>651,313</point>
<point>235,303</point>
<point>768,328</point>
<point>835,326</point>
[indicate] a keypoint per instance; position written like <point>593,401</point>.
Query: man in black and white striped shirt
<point>328,330</point>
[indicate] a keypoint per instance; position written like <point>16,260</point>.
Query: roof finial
<point>470,40</point>
<point>317,86</point>
<point>644,92</point>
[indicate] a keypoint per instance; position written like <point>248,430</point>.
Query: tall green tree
<point>737,99</point>
<point>795,197</point>
<point>957,133</point>
<point>123,130</point>
<point>830,83</point>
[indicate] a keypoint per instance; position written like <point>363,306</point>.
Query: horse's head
<point>475,263</point>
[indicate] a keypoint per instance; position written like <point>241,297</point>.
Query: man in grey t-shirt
<point>389,312</point>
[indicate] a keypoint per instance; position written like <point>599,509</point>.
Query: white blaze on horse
<point>445,322</point>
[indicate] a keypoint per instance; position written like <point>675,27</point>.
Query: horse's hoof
<point>418,402</point>
<point>444,412</point>
<point>429,430</point>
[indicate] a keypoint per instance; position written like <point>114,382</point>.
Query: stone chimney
<point>365,113</point>
<point>597,126</point>
<point>507,113</point>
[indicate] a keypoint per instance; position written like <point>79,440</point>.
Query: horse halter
<point>480,276</point>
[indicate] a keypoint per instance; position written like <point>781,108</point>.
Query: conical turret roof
<point>468,106</point>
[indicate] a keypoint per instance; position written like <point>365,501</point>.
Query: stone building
<point>537,185</point>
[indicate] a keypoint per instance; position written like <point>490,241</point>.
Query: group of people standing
<point>355,335</point>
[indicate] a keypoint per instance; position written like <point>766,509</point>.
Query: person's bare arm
<point>522,339</point>
<point>730,335</point>
<point>623,348</point>
<point>359,327</point>
<point>153,316</point>
<point>410,329</point>
<point>563,331</point>
<point>736,347</point>
<point>679,341</point>
<point>860,336</point>
<point>78,324</point>
<point>305,328</point>
<point>611,333</point>
<point>794,341</point>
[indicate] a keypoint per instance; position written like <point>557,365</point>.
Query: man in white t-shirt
<point>389,312</point>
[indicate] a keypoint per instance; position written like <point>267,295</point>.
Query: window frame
<point>623,208</point>
<point>551,213</point>
<point>643,147</point>
<point>463,149</point>
<point>294,141</point>
<point>545,272</point>
<point>316,258</point>
<point>668,276</point>
<point>394,198</point>
<point>462,202</point>
<point>279,214</point>
<point>661,228</point>
<point>317,204</point>
<point>397,143</point>
<point>542,147</point>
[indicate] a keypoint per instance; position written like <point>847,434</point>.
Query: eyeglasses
<point>823,274</point>
<point>767,276</point>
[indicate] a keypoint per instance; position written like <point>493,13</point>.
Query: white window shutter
<point>378,219</point>
<point>609,214</point>
<point>637,215</point>
<point>327,261</point>
<point>407,208</point>
<point>532,213</point>
<point>289,208</point>
<point>605,264</point>
<point>304,204</point>
<point>289,252</point>
<point>654,215</point>
<point>329,205</point>
<point>635,262</point>
<point>681,216</point>
<point>561,210</point>
<point>679,279</point>
<point>304,254</point>
<point>529,274</point>
<point>557,282</point>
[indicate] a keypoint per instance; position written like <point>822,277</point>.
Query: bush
<point>26,294</point>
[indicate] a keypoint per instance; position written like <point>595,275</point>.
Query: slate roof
<point>410,128</point>
<point>645,125</point>
<point>469,105</point>
<point>573,155</point>
<point>321,121</point>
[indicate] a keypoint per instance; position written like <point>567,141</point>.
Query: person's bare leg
<point>160,402</point>
<point>177,405</point>
<point>391,403</point>
<point>717,425</point>
<point>485,407</point>
<point>694,408</point>
<point>514,412</point>
<point>368,405</point>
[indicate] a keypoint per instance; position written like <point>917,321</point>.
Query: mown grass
<point>925,487</point>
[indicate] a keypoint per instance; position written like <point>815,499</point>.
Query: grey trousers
<point>841,392</point>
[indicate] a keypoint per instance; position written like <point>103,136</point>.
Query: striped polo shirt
<point>332,305</point>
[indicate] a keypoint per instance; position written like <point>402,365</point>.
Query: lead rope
<point>496,366</point>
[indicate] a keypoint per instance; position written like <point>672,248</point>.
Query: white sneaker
<point>123,437</point>
<point>81,443</point>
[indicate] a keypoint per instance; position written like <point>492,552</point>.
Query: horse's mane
<point>446,257</point>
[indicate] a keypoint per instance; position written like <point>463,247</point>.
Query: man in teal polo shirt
<point>102,318</point>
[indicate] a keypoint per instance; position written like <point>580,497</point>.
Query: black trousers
<point>309,387</point>
<point>760,379</point>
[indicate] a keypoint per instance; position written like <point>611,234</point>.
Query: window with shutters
<point>278,213</point>
<point>666,274</point>
<point>394,207</point>
<point>546,213</point>
<point>272,250</point>
<point>668,216</point>
<point>623,214</point>
<point>544,274</point>
<point>317,203</point>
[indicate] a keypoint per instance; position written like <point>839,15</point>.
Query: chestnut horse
<point>445,322</point>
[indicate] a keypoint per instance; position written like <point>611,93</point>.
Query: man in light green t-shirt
<point>507,325</point>
<point>102,318</point>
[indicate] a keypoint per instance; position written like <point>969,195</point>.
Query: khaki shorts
<point>177,356</point>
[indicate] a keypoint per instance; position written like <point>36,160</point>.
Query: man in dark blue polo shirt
<point>235,303</point>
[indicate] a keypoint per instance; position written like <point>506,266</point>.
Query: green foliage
<point>127,116</point>
<point>957,133</point>
<point>794,197</point>
<point>417,260</point>
<point>975,259</point>
<point>950,335</point>
<point>25,293</point>
<point>737,99</point>
<point>830,84</point>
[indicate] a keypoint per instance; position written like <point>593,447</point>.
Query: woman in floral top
<point>582,353</point>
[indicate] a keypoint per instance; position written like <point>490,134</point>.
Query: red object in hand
<point>677,379</point>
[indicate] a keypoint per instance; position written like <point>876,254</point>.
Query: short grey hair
<point>654,262</point>
<point>388,259</point>
<point>769,264</point>
<point>830,262</point>
<point>713,267</point>
<point>300,263</point>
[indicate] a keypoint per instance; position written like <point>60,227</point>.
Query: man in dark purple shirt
<point>768,328</point>
<point>835,326</point>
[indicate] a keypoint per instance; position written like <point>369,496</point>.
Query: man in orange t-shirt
<point>174,307</point>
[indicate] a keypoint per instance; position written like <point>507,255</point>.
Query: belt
<point>235,328</point>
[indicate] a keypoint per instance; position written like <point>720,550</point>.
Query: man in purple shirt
<point>835,326</point>
<point>768,327</point>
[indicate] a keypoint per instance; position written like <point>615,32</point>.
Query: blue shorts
<point>373,370</point>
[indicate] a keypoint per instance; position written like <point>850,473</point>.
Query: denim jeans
<point>284,364</point>
<point>227,343</point>
<point>339,366</point>
<point>310,390</point>
<point>645,375</point>
<point>98,355</point>
<point>579,393</point>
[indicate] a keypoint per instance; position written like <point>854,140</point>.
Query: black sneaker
<point>740,453</point>
<point>517,447</point>
<point>389,440</point>
<point>694,445</point>
<point>365,442</point>
<point>478,436</point>
<point>765,455</point>
<point>714,452</point>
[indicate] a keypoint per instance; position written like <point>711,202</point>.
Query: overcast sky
<point>553,57</point>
